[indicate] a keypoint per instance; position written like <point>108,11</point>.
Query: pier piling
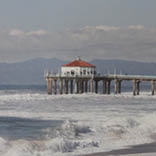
<point>61,86</point>
<point>153,86</point>
<point>66,86</point>
<point>91,85</point>
<point>108,86</point>
<point>71,86</point>
<point>119,83</point>
<point>78,86</point>
<point>86,86</point>
<point>49,86</point>
<point>96,86</point>
<point>82,86</point>
<point>138,87</point>
<point>134,87</point>
<point>116,86</point>
<point>104,86</point>
<point>55,86</point>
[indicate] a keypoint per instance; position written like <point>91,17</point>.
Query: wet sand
<point>146,149</point>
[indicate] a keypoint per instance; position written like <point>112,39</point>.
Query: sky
<point>65,29</point>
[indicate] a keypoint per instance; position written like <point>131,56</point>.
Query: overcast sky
<point>64,29</point>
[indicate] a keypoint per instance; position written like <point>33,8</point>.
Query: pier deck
<point>81,84</point>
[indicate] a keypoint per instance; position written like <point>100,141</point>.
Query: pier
<point>80,77</point>
<point>58,84</point>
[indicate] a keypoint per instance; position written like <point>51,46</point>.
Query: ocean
<point>33,123</point>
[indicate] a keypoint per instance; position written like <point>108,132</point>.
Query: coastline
<point>138,150</point>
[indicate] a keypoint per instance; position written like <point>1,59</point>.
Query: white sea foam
<point>92,123</point>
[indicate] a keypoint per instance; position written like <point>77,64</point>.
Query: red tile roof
<point>78,63</point>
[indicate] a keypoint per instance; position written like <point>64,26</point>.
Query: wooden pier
<point>57,84</point>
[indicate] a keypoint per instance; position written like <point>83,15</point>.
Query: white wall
<point>78,71</point>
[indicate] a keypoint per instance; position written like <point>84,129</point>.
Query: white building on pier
<point>78,68</point>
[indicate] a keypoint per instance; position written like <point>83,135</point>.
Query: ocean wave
<point>75,137</point>
<point>92,123</point>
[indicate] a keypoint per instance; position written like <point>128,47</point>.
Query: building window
<point>72,73</point>
<point>84,72</point>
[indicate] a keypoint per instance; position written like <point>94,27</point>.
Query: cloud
<point>102,27</point>
<point>136,27</point>
<point>37,32</point>
<point>134,42</point>
<point>19,33</point>
<point>16,32</point>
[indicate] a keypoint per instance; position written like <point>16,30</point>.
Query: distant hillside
<point>32,71</point>
<point>28,72</point>
<point>125,67</point>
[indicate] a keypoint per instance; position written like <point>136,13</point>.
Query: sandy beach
<point>138,150</point>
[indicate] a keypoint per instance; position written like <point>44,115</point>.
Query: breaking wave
<point>60,141</point>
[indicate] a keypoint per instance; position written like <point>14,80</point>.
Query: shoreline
<point>132,150</point>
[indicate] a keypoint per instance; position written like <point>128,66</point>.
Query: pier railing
<point>132,77</point>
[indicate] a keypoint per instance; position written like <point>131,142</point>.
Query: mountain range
<point>32,71</point>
